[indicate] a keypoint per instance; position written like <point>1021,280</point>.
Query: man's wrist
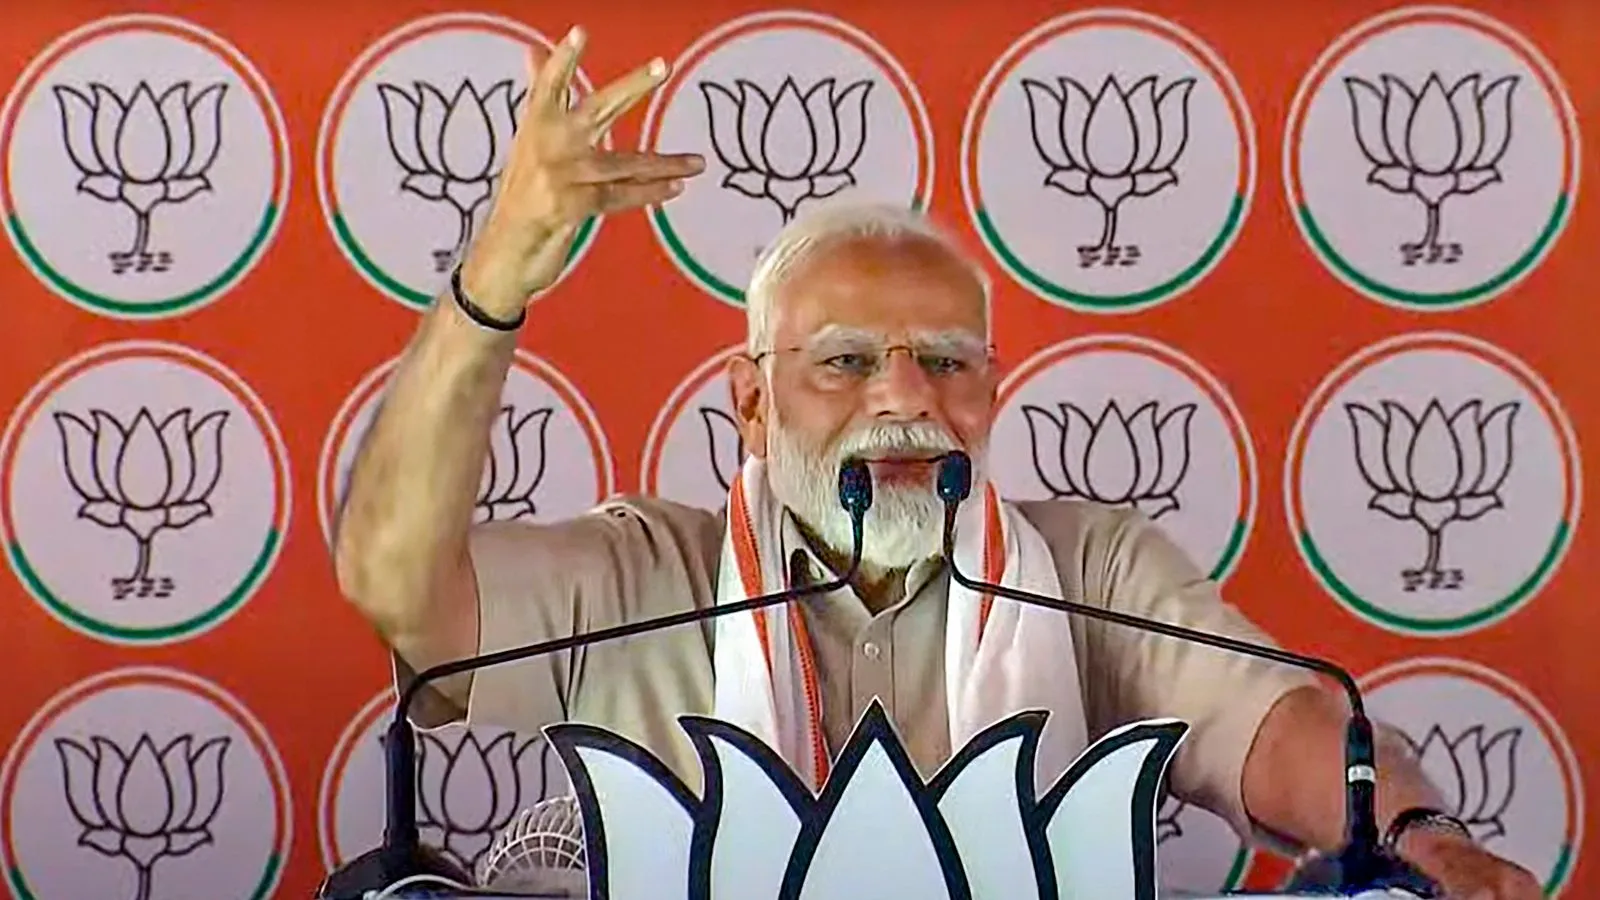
<point>1421,833</point>
<point>492,275</point>
<point>493,292</point>
<point>478,315</point>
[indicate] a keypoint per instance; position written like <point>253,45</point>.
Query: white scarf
<point>1001,657</point>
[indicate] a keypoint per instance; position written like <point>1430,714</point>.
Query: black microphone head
<point>855,488</point>
<point>955,477</point>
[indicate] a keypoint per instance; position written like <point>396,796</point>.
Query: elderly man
<point>832,305</point>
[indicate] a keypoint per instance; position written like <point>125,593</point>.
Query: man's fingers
<point>549,93</point>
<point>600,109</point>
<point>619,196</point>
<point>628,165</point>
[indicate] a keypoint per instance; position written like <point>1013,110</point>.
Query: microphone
<point>401,855</point>
<point>1362,864</point>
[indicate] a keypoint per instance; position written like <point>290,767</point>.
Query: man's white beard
<point>905,524</point>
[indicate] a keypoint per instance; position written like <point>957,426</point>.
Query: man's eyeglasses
<point>843,363</point>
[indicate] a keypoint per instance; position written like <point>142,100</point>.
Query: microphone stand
<point>401,854</point>
<point>1362,864</point>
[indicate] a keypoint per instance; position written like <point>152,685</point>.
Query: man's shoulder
<point>625,557</point>
<point>660,513</point>
<point>621,529</point>
<point>1099,540</point>
<point>1103,537</point>
<point>656,526</point>
<point>1065,522</point>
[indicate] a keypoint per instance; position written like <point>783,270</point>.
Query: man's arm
<point>401,543</point>
<point>400,546</point>
<point>1289,789</point>
<point>1292,783</point>
<point>1266,745</point>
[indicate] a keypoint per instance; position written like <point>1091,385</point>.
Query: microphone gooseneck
<point>1361,864</point>
<point>400,854</point>
<point>955,484</point>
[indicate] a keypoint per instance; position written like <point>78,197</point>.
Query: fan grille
<point>547,837</point>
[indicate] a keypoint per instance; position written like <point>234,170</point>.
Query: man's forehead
<point>880,257</point>
<point>882,287</point>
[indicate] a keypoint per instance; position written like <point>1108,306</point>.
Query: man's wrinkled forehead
<point>898,289</point>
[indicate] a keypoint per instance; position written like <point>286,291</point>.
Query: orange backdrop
<point>253,684</point>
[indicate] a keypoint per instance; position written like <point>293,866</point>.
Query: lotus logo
<point>452,149</point>
<point>1110,145</point>
<point>876,829</point>
<point>1432,144</point>
<point>1476,771</point>
<point>143,478</point>
<point>725,445</point>
<point>791,146</point>
<point>515,467</point>
<point>469,790</point>
<point>142,151</point>
<point>1433,470</point>
<point>145,804</point>
<point>1137,459</point>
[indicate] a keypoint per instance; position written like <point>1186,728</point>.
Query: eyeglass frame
<point>989,353</point>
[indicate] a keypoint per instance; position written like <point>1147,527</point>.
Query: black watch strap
<point>476,313</point>
<point>1425,818</point>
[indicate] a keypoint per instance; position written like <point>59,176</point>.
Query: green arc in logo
<point>1561,870</point>
<point>158,634</point>
<point>1241,862</point>
<point>1437,627</point>
<point>153,308</point>
<point>418,299</point>
<point>1448,299</point>
<point>1230,550</point>
<point>697,271</point>
<point>1110,302</point>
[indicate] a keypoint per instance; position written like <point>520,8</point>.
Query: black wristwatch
<point>1424,818</point>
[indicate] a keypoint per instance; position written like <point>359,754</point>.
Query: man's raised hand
<point>557,176</point>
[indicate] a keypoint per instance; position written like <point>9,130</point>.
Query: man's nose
<point>901,389</point>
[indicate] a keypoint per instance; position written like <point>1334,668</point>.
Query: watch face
<point>1446,825</point>
<point>1438,822</point>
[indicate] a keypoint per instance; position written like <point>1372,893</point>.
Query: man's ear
<point>749,388</point>
<point>993,376</point>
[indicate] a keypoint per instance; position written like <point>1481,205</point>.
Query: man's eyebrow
<point>957,339</point>
<point>949,339</point>
<point>842,334</point>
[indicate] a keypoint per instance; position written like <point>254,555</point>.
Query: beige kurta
<point>639,557</point>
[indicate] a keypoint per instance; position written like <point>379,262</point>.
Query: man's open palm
<point>557,176</point>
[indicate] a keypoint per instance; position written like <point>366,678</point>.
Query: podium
<point>977,830</point>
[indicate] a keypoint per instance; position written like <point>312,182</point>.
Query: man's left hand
<point>1466,871</point>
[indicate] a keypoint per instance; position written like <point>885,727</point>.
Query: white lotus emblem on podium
<point>975,831</point>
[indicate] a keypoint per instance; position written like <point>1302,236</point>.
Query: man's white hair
<point>829,225</point>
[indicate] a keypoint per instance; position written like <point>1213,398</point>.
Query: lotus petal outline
<point>1432,142</point>
<point>515,466</point>
<point>142,150</point>
<point>789,146</point>
<point>1435,468</point>
<point>757,832</point>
